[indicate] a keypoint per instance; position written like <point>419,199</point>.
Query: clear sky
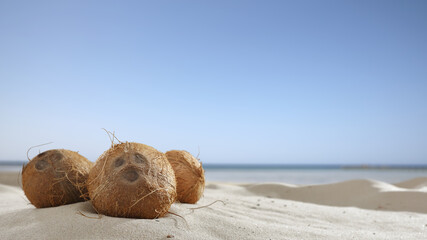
<point>246,81</point>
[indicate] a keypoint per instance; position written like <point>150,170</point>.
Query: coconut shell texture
<point>132,180</point>
<point>56,177</point>
<point>190,175</point>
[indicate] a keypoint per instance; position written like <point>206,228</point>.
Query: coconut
<point>190,176</point>
<point>132,180</point>
<point>56,177</point>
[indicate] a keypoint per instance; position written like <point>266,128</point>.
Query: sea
<point>312,174</point>
<point>303,174</point>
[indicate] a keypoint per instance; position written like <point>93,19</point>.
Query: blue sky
<point>244,81</point>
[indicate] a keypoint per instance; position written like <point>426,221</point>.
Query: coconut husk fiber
<point>189,174</point>
<point>132,180</point>
<point>56,177</point>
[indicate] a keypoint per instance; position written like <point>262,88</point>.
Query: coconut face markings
<point>130,166</point>
<point>131,174</point>
<point>49,159</point>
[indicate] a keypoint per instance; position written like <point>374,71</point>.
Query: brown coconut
<point>56,177</point>
<point>190,176</point>
<point>132,180</point>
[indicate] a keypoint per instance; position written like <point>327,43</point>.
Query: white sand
<point>359,209</point>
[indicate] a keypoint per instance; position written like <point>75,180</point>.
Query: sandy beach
<point>356,209</point>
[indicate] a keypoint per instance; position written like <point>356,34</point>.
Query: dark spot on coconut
<point>131,175</point>
<point>41,165</point>
<point>139,158</point>
<point>56,156</point>
<point>41,154</point>
<point>119,161</point>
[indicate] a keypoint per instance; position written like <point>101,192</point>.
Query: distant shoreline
<point>316,166</point>
<point>283,166</point>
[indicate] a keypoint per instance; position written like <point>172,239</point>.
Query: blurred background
<point>260,85</point>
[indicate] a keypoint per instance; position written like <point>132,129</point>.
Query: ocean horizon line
<point>281,165</point>
<point>318,166</point>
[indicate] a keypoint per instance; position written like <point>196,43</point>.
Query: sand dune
<point>416,183</point>
<point>10,178</point>
<point>365,194</point>
<point>359,209</point>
